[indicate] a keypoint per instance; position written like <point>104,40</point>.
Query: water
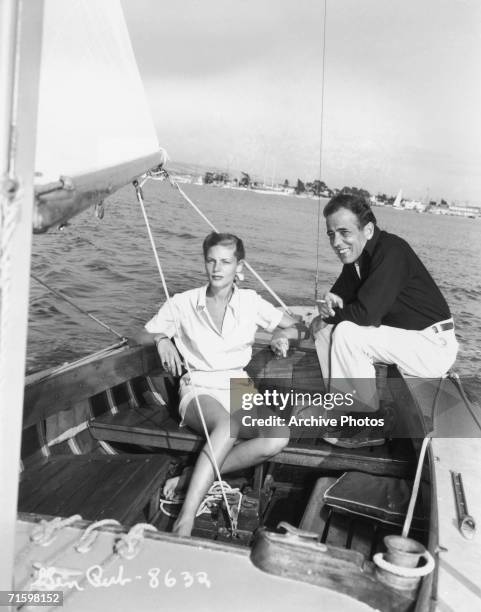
<point>107,266</point>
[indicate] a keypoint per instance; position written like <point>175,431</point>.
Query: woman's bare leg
<point>223,435</point>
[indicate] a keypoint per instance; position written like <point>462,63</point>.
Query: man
<point>385,306</point>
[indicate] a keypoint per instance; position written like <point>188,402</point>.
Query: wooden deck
<point>120,487</point>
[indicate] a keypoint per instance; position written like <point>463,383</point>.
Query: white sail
<point>398,200</point>
<point>93,114</point>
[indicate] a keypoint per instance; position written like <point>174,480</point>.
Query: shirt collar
<point>233,302</point>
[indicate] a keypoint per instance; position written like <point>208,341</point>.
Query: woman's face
<point>221,266</point>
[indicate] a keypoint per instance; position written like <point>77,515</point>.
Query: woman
<point>217,324</point>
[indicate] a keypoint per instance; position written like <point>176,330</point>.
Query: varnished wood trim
<point>61,391</point>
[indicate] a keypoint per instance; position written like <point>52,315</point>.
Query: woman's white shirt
<point>205,347</point>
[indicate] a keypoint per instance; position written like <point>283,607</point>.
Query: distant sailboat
<point>398,200</point>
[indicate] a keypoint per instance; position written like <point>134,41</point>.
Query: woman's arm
<point>168,353</point>
<point>289,328</point>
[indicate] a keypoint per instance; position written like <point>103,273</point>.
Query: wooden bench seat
<point>336,529</point>
<point>151,426</point>
<point>146,426</point>
<point>95,486</point>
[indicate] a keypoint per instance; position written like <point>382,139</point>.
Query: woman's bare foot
<point>175,486</point>
<point>183,525</point>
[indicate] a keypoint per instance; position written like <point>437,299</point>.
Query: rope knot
<point>46,531</point>
<point>128,545</point>
<point>90,535</point>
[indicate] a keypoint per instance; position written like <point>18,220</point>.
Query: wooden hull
<point>106,428</point>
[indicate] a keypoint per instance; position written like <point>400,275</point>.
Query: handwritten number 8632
<point>170,580</point>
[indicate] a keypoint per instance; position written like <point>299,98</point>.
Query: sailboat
<point>100,435</point>
<point>397,204</point>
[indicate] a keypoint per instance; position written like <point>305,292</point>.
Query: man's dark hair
<point>215,238</point>
<point>355,203</point>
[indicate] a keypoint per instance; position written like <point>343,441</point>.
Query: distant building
<point>458,210</point>
<point>465,211</point>
<point>415,205</point>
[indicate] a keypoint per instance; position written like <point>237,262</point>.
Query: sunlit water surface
<point>107,266</point>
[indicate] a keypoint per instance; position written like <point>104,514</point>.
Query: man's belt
<point>440,327</point>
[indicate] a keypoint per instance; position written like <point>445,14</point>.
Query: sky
<point>238,84</point>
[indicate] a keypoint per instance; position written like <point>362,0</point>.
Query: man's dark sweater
<point>394,289</point>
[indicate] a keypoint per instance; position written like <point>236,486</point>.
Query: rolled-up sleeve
<point>268,317</point>
<point>163,321</point>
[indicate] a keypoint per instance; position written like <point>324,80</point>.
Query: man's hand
<point>169,356</point>
<point>317,324</point>
<point>328,303</point>
<point>279,344</point>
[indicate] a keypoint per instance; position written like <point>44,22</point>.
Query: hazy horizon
<point>238,86</point>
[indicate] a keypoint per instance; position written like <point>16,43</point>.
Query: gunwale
<point>62,388</point>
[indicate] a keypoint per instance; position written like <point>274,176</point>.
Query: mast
<point>21,36</point>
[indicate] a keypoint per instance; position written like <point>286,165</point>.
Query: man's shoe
<point>359,436</point>
<point>365,436</point>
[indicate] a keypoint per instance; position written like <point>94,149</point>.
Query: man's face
<point>346,237</point>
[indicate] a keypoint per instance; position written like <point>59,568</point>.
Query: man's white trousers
<point>347,354</point>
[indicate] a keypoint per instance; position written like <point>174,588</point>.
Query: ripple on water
<point>110,266</point>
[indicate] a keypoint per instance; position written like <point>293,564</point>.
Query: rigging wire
<point>140,199</point>
<point>316,286</point>
<point>246,264</point>
<point>163,174</point>
<point>79,308</point>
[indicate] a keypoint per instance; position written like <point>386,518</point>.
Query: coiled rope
<point>213,496</point>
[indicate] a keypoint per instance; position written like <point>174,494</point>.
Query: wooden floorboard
<point>93,486</point>
<point>142,479</point>
<point>76,496</point>
<point>40,481</point>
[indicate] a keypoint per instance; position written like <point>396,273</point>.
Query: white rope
<point>406,572</point>
<point>212,497</point>
<point>176,501</point>
<point>65,367</point>
<point>128,546</point>
<point>414,494</point>
<point>247,265</point>
<point>46,532</point>
<point>138,190</point>
<point>89,536</point>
